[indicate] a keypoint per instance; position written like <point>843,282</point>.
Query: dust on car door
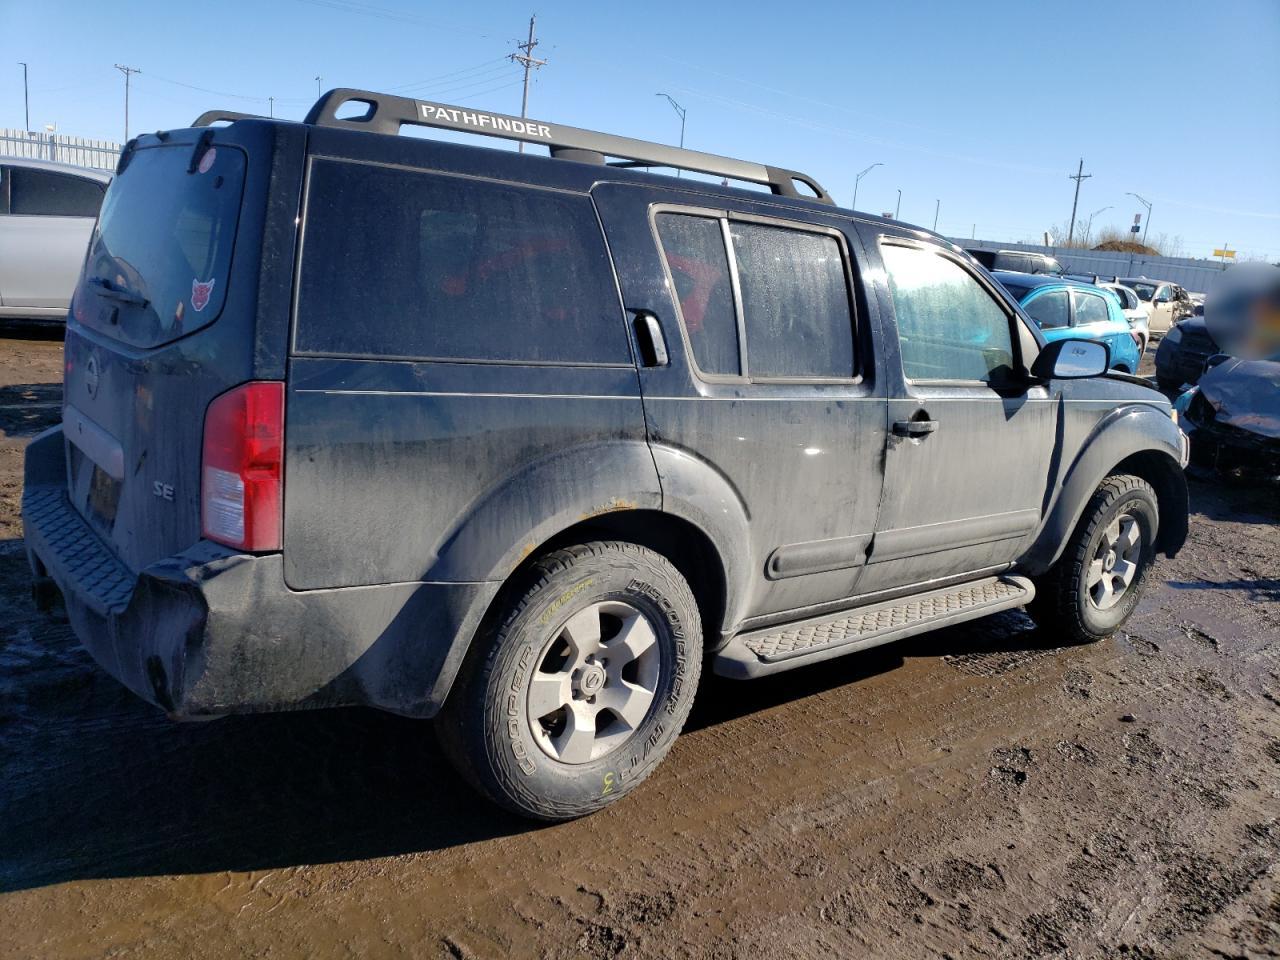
<point>762,388</point>
<point>971,437</point>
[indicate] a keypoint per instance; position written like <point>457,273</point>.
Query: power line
<point>529,61</point>
<point>477,70</point>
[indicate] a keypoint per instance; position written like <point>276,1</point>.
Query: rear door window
<point>409,265</point>
<point>949,326</point>
<point>1090,308</point>
<point>795,303</point>
<point>793,319</point>
<point>44,193</point>
<point>699,265</point>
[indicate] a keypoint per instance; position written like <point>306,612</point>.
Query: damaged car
<point>1233,417</point>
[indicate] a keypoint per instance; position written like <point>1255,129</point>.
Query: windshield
<point>159,257</point>
<point>1144,290</point>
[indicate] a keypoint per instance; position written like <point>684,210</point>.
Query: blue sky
<point>986,107</point>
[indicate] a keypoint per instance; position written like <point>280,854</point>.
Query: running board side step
<point>774,649</point>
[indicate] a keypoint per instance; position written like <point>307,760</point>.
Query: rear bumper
<point>209,631</point>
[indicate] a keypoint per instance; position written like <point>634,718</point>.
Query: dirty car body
<point>309,446</point>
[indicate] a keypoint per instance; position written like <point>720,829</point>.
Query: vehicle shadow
<point>94,783</point>
<point>29,408</point>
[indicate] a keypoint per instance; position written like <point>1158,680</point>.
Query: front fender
<point>1133,438</point>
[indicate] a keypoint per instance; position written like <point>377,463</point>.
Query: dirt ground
<point>965,794</point>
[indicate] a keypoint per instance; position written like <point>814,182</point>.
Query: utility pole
<point>898,208</point>
<point>1079,175</point>
<point>271,107</point>
<point>26,104</point>
<point>1148,223</point>
<point>318,87</point>
<point>937,205</point>
<point>681,112</point>
<point>529,61</point>
<point>858,179</point>
<point>127,71</point>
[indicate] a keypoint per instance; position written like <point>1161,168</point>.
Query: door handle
<point>653,346</point>
<point>914,428</point>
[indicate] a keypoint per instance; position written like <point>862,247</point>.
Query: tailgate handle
<point>653,346</point>
<point>914,428</point>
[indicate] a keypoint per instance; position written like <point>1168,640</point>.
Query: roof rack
<point>384,113</point>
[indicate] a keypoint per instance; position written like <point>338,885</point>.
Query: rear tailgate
<point>176,304</point>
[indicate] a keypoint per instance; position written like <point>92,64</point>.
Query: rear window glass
<point>45,193</point>
<point>409,265</point>
<point>159,258</point>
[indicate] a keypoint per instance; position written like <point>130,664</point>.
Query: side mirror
<point>1072,360</point>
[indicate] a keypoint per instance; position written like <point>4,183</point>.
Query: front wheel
<point>1098,580</point>
<point>580,685</point>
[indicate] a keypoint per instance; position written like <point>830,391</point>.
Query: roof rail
<point>386,114</point>
<point>210,117</point>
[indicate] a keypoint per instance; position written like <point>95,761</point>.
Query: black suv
<point>355,418</point>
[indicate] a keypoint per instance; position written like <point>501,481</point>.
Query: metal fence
<point>100,154</point>
<point>1194,275</point>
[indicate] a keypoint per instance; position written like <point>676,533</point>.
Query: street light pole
<point>271,107</point>
<point>858,179</point>
<point>937,205</point>
<point>1148,223</point>
<point>898,208</point>
<point>317,88</point>
<point>1088,229</point>
<point>681,112</point>
<point>26,105</point>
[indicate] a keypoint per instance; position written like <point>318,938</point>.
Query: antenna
<point>529,61</point>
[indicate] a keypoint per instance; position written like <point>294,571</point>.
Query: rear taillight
<point>241,485</point>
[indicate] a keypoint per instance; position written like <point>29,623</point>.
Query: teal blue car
<point>1068,309</point>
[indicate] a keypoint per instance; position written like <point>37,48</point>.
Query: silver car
<point>47,212</point>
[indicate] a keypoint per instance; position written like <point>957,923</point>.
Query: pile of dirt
<point>1127,246</point>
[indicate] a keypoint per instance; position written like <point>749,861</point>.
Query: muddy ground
<point>964,794</point>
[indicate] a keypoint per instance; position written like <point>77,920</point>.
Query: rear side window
<point>795,302</point>
<point>1090,308</point>
<point>410,265</point>
<point>796,319</point>
<point>45,193</point>
<point>695,253</point>
<point>1050,310</point>
<point>949,326</point>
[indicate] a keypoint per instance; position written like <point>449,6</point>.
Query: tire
<point>548,649</point>
<point>1080,599</point>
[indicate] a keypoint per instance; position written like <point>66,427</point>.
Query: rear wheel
<point>1098,580</point>
<point>580,686</point>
